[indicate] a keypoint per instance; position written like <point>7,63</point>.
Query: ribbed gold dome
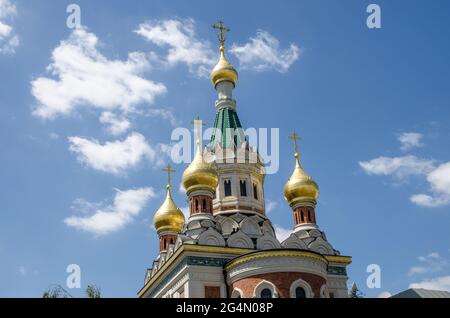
<point>169,217</point>
<point>200,175</point>
<point>224,71</point>
<point>300,186</point>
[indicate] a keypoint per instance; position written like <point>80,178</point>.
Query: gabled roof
<point>422,293</point>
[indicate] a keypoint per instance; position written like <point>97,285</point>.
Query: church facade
<point>227,248</point>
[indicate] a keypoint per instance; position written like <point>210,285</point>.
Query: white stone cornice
<point>277,265</point>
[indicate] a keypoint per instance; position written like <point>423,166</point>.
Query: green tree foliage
<point>57,291</point>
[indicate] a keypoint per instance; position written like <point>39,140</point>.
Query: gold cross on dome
<point>169,170</point>
<point>294,137</point>
<point>222,31</point>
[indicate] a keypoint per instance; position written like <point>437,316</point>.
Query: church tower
<point>241,175</point>
<point>168,220</point>
<point>228,248</point>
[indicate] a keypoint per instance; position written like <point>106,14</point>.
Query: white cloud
<point>399,167</point>
<point>430,263</point>
<point>81,205</point>
<point>429,201</point>
<point>384,294</point>
<point>184,47</point>
<point>113,157</point>
<point>438,283</point>
<point>263,52</point>
<point>165,114</point>
<point>439,180</point>
<point>116,125</point>
<point>111,218</point>
<point>9,41</point>
<point>270,206</point>
<point>83,77</point>
<point>282,233</point>
<point>410,140</point>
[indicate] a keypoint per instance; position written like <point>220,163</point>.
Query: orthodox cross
<point>169,170</point>
<point>222,31</point>
<point>294,137</point>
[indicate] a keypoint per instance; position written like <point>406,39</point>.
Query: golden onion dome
<point>200,175</point>
<point>300,186</point>
<point>169,217</point>
<point>224,71</point>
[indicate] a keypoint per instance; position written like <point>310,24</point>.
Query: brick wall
<point>212,292</point>
<point>282,281</point>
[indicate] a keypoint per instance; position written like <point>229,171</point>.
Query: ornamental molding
<point>337,270</point>
<point>338,259</point>
<point>250,266</point>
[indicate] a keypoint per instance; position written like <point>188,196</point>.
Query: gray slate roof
<point>422,293</point>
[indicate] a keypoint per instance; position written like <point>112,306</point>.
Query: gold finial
<point>222,32</point>
<point>300,186</point>
<point>294,137</point>
<point>169,170</point>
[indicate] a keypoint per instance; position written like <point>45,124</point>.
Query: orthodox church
<point>227,248</point>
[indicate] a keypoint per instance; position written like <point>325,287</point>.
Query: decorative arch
<point>250,227</point>
<point>263,285</point>
<point>321,246</point>
<point>228,226</point>
<point>170,251</point>
<point>240,240</point>
<point>303,284</point>
<point>267,243</point>
<point>294,242</point>
<point>315,233</point>
<point>237,293</point>
<point>178,243</point>
<point>267,228</point>
<point>161,262</point>
<point>211,238</point>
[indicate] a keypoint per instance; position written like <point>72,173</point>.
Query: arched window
<point>300,289</point>
<point>302,217</point>
<point>227,188</point>
<point>300,293</point>
<point>204,205</point>
<point>266,293</point>
<point>265,289</point>
<point>309,216</point>
<point>196,205</point>
<point>243,187</point>
<point>255,191</point>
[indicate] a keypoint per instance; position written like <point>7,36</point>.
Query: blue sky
<point>371,106</point>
